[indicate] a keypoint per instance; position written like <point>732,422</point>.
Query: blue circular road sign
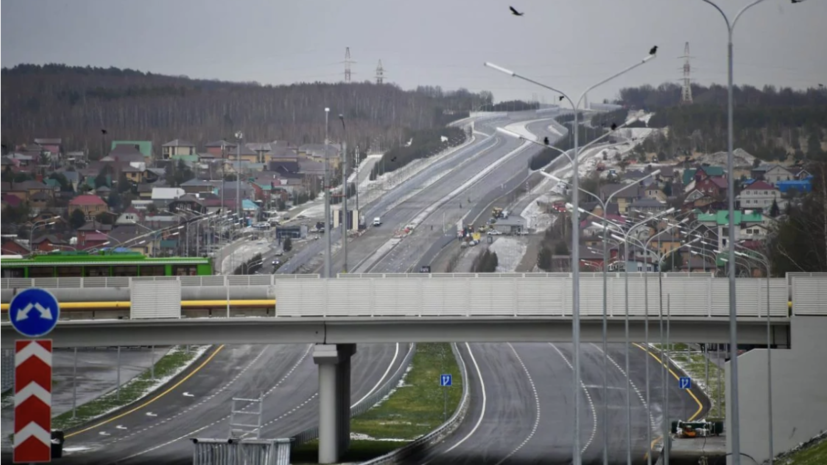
<point>34,312</point>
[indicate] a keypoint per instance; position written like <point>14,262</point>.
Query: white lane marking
<point>482,413</point>
<point>395,354</point>
<point>150,414</point>
<point>188,435</point>
<point>634,387</point>
<point>187,394</point>
<point>120,427</point>
<point>536,401</point>
<point>588,398</point>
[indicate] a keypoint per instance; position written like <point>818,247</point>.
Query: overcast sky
<point>569,44</point>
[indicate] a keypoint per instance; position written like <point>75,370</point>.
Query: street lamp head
<point>500,69</point>
<point>654,173</point>
<point>671,210</point>
<point>327,110</point>
<point>239,135</point>
<point>509,133</point>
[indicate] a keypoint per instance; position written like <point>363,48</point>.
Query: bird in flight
<point>545,140</point>
<point>561,98</point>
<point>515,12</point>
<point>393,159</point>
<point>614,126</point>
<point>653,50</point>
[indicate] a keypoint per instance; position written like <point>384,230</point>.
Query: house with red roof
<point>760,194</point>
<point>90,205</point>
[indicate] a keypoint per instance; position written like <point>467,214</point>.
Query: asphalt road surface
<point>522,406</point>
<point>158,430</point>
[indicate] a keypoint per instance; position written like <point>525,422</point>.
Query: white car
<point>494,232</point>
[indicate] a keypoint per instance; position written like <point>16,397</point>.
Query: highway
<point>158,429</point>
<point>522,402</point>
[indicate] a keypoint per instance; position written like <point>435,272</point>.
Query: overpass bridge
<point>337,314</point>
<point>363,308</point>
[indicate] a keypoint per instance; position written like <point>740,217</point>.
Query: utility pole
<point>326,187</point>
<point>343,148</point>
<point>357,185</point>
<point>240,138</point>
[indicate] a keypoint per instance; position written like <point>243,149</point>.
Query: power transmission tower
<point>380,73</point>
<point>686,90</point>
<point>348,61</point>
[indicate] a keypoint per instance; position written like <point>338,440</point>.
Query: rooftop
<point>178,143</point>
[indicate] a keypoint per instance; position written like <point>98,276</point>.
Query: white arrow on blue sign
<point>685,382</point>
<point>34,312</point>
<point>445,380</point>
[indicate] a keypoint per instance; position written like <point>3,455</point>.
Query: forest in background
<point>769,123</point>
<point>75,103</point>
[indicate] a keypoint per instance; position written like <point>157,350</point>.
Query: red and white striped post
<point>32,401</point>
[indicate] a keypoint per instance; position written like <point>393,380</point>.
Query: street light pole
<point>326,187</point>
<point>735,428</point>
<point>345,213</point>
<point>240,136</point>
<point>575,244</point>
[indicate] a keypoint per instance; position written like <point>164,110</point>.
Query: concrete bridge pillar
<point>334,399</point>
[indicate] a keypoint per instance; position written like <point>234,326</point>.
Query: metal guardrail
<point>365,405</point>
<point>438,434</point>
<point>240,451</point>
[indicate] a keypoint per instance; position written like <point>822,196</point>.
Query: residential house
<point>713,187</point>
<point>13,246</point>
<point>87,234</point>
<point>760,194</point>
<point>220,148</point>
<point>647,205</point>
<point>54,147</point>
<point>131,216</point>
<point>134,237</point>
<point>188,203</point>
<point>622,194</point>
<point>75,156</point>
<point>90,205</point>
<point>318,153</point>
<point>245,153</point>
<point>654,192</point>
<point>94,241</point>
<point>697,199</point>
<point>697,264</point>
<point>137,173</point>
<point>143,146</point>
<point>754,232</point>
<point>39,201</point>
<point>162,196</point>
<point>591,258</point>
<point>199,186</point>
<point>772,174</point>
<point>665,240</point>
<point>177,147</point>
<point>125,154</point>
<point>48,243</point>
<point>145,191</point>
<point>800,173</point>
<point>26,189</point>
<point>638,176</point>
<point>719,222</point>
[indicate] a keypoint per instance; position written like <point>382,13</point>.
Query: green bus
<point>103,264</point>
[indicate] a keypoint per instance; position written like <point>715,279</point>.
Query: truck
<point>496,212</point>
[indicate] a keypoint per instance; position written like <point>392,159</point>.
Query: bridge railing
<point>529,294</point>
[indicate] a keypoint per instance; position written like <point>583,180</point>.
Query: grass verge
<point>694,364</point>
<point>415,408</point>
<point>814,454</point>
<point>167,367</point>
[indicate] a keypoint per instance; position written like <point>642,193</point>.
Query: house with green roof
<point>747,225</point>
<point>144,146</point>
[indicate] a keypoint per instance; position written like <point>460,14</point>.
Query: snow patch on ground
<point>160,382</point>
<point>509,252</point>
<point>365,437</point>
<point>522,129</point>
<point>740,157</point>
<point>242,254</point>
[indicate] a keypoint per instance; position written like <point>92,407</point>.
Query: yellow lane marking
<point>700,405</point>
<point>153,399</point>
<point>124,304</point>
